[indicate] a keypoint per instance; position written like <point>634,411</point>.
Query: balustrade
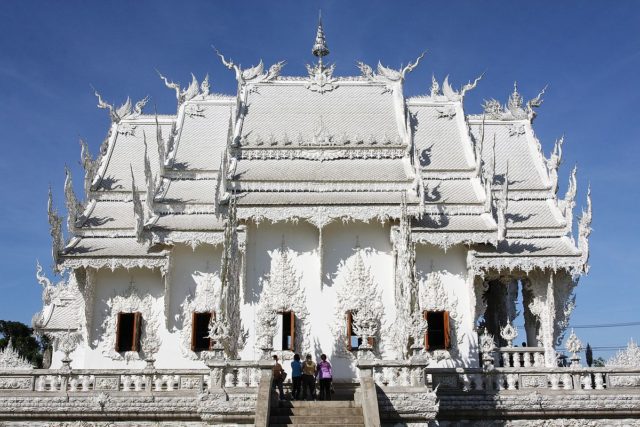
<point>392,374</point>
<point>525,357</point>
<point>235,374</point>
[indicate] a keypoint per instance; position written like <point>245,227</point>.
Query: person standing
<point>278,377</point>
<point>308,378</point>
<point>296,376</point>
<point>325,374</point>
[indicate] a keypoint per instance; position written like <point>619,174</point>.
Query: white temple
<point>315,214</point>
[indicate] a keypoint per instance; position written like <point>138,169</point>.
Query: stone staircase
<point>307,413</point>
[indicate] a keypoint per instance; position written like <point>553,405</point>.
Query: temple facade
<point>313,214</point>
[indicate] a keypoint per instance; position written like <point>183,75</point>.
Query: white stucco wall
<point>318,285</point>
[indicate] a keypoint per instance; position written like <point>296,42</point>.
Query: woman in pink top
<point>325,374</point>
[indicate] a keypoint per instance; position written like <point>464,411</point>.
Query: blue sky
<point>588,53</point>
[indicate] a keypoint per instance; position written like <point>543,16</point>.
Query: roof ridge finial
<point>320,48</point>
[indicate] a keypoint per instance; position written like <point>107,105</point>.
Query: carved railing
<point>498,379</point>
<point>393,373</point>
<point>516,357</point>
<point>232,374</point>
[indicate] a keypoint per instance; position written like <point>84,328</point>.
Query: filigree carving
<point>151,187</point>
<point>281,292</point>
<point>502,204</point>
<point>254,74</point>
<point>138,213</point>
<point>574,345</point>
<point>55,229</point>
<point>434,297</point>
<point>183,95</point>
<point>627,358</point>
<point>584,231</point>
<point>322,154</point>
<point>321,78</point>
<point>553,163</point>
<point>359,294</point>
<point>74,207</point>
<point>569,202</point>
<point>89,165</point>
<point>446,113</point>
<point>124,111</point>
<point>205,298</point>
<point>458,96</point>
<point>10,359</point>
<point>509,333</point>
<point>514,109</point>
<point>130,301</point>
<point>115,263</point>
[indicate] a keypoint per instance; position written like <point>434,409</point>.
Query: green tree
<point>589,355</point>
<point>24,341</point>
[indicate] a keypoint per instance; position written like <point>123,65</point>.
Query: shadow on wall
<point>339,242</point>
<point>189,264</point>
<point>262,240</point>
<point>111,284</point>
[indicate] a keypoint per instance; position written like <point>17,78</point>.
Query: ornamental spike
<point>320,48</point>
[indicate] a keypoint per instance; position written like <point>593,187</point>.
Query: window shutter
<point>349,320</point>
<point>118,322</point>
<point>293,331</point>
<point>213,318</point>
<point>447,343</point>
<point>194,325</point>
<point>137,325</point>
<point>426,334</point>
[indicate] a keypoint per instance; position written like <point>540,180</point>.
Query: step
<point>307,411</point>
<point>320,424</point>
<point>321,420</point>
<point>317,404</point>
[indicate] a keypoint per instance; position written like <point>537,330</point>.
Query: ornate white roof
<point>322,148</point>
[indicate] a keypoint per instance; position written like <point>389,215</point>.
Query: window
<point>286,327</point>
<point>437,336</point>
<point>353,341</point>
<point>200,340</point>
<point>128,332</point>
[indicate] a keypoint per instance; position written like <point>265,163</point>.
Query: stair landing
<point>315,413</point>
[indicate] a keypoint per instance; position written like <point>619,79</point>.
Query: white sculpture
<point>10,359</point>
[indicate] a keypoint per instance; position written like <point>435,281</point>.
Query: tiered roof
<point>322,148</point>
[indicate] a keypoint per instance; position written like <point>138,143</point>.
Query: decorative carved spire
<point>55,229</point>
<point>71,201</point>
<point>453,95</point>
<point>89,165</point>
<point>503,204</point>
<point>138,213</point>
<point>150,182</point>
<point>515,99</point>
<point>320,48</point>
<point>569,201</point>
<point>535,103</point>
<point>554,162</point>
<point>10,359</point>
<point>435,87</point>
<point>122,112</point>
<point>584,231</point>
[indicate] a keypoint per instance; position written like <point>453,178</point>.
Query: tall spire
<point>320,48</point>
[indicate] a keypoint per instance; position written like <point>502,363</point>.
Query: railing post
<point>369,394</point>
<point>263,405</point>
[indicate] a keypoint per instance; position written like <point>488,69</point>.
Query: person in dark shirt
<point>296,376</point>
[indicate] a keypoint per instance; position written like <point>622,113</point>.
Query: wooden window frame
<point>445,322</point>
<point>136,333</point>
<point>193,330</point>
<point>292,328</point>
<point>370,340</point>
